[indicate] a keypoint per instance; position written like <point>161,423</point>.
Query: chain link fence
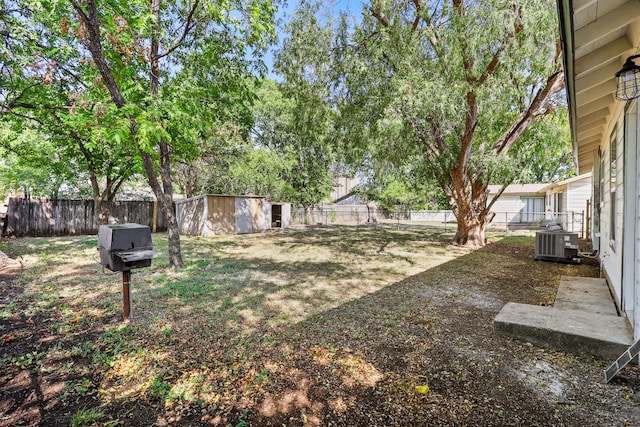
<point>502,221</point>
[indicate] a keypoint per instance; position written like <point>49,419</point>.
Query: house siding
<point>635,157</point>
<point>610,243</point>
<point>630,217</point>
<point>509,205</point>
<point>506,205</point>
<point>577,195</point>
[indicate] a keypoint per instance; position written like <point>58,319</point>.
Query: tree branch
<point>418,6</point>
<point>495,198</point>
<point>188,27</point>
<point>538,107</point>
<point>380,17</point>
<point>469,128</point>
<point>91,20</point>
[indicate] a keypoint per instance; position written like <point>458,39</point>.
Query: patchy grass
<point>342,325</point>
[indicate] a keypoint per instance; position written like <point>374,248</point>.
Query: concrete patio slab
<point>585,293</point>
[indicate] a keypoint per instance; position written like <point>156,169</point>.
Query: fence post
<point>155,216</point>
<point>572,221</point>
<point>506,223</point>
<point>445,221</point>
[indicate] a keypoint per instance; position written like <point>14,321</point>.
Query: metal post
<point>126,295</point>
<point>506,222</point>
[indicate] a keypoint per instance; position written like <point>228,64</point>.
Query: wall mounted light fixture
<point>628,80</point>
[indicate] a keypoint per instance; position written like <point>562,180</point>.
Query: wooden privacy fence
<point>42,217</point>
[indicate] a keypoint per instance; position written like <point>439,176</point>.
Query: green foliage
<point>30,361</point>
<point>437,89</point>
<point>307,120</point>
<point>545,150</point>
<point>85,417</point>
<point>159,388</point>
<point>294,148</point>
<point>208,56</point>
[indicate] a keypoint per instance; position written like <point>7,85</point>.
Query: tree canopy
<point>458,94</point>
<point>453,85</point>
<point>141,82</point>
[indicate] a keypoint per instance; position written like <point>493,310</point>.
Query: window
<point>557,203</point>
<point>532,209</point>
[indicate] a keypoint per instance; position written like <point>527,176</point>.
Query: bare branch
<point>495,198</point>
<point>91,20</point>
<point>538,107</point>
<point>418,6</point>
<point>188,27</point>
<point>380,17</point>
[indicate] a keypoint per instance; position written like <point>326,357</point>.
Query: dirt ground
<point>419,350</point>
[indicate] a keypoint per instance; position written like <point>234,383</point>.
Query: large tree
<point>160,74</point>
<point>51,133</point>
<point>456,82</point>
<point>308,122</point>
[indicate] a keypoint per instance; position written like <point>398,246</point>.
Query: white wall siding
<point>506,204</point>
<point>611,244</point>
<point>635,157</point>
<point>432,216</point>
<point>630,218</point>
<point>577,195</point>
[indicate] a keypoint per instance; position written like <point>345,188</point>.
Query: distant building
<point>216,214</point>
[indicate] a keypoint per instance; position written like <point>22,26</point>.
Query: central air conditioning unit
<point>559,246</point>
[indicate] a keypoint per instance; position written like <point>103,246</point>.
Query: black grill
<point>124,247</point>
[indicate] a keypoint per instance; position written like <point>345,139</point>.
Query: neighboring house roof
<point>597,36</point>
<point>513,189</point>
<point>566,181</point>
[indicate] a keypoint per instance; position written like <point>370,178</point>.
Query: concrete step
<point>572,331</point>
<point>584,319</point>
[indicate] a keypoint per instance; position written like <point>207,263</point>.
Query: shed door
<point>221,213</point>
<point>286,215</point>
<point>257,215</point>
<point>243,215</point>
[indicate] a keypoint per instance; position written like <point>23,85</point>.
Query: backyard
<point>340,325</point>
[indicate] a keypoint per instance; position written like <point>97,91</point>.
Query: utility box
<point>559,246</point>
<point>124,247</point>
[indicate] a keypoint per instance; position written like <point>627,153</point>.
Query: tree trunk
<point>468,200</point>
<point>471,231</point>
<point>164,194</point>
